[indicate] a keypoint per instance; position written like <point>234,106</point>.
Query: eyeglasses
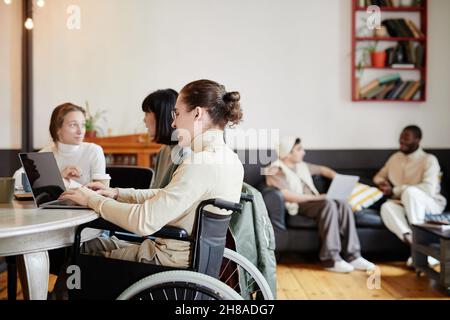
<point>174,115</point>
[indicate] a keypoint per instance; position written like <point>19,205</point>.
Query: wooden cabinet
<point>131,150</point>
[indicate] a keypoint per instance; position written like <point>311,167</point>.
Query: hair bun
<point>232,97</point>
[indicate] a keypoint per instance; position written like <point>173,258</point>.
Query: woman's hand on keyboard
<point>104,191</point>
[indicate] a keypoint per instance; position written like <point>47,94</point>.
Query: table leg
<point>12,278</point>
<point>34,271</point>
<point>420,260</point>
<point>445,263</point>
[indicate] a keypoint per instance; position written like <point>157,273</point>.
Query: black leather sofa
<point>299,234</point>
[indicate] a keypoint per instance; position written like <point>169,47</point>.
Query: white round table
<point>28,232</point>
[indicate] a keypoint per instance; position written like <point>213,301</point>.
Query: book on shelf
<point>403,66</point>
<point>387,3</point>
<point>391,87</point>
<point>402,28</point>
<point>405,54</point>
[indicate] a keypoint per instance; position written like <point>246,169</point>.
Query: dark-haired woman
<point>203,110</point>
<point>78,161</point>
<point>158,107</point>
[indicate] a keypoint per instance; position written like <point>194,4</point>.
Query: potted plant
<point>91,121</point>
<point>377,58</point>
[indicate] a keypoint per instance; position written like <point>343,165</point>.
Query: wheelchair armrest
<point>102,224</point>
<point>222,204</point>
<point>169,232</point>
<point>247,197</point>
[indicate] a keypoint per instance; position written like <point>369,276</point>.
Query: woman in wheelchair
<point>203,110</point>
<point>158,107</point>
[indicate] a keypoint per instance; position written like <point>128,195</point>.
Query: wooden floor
<point>308,281</point>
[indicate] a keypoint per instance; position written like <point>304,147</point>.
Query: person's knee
<point>328,205</point>
<point>345,206</point>
<point>387,209</point>
<point>329,209</point>
<point>411,193</point>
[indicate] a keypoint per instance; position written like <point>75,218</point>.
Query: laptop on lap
<point>341,187</point>
<point>46,182</point>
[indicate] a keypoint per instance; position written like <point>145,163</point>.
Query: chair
<point>105,279</point>
<point>130,177</point>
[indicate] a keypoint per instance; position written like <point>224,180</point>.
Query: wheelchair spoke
<point>235,270</point>
<point>175,291</point>
<point>164,290</point>
<point>224,269</point>
<point>151,296</point>
<point>184,297</point>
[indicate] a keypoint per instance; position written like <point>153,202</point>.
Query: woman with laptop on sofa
<point>293,177</point>
<point>78,161</point>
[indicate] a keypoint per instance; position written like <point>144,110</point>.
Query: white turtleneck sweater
<point>88,156</point>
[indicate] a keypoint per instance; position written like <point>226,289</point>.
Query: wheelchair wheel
<point>179,285</point>
<point>236,270</point>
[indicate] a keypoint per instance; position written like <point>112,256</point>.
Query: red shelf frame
<point>423,12</point>
<point>389,39</point>
<point>390,68</point>
<point>394,9</point>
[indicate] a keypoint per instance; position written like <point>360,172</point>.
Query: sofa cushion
<point>300,222</point>
<point>367,218</point>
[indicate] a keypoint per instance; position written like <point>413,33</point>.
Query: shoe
<point>432,262</point>
<point>362,264</point>
<point>409,263</point>
<point>341,267</point>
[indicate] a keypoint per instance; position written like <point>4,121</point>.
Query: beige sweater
<point>213,170</point>
<point>418,169</point>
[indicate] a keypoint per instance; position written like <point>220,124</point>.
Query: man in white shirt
<point>411,178</point>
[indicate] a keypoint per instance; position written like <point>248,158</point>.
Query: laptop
<point>46,182</point>
<point>341,187</point>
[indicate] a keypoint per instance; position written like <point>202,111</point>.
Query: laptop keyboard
<point>438,219</point>
<point>65,202</point>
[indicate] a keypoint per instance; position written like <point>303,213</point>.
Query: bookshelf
<point>405,48</point>
<point>129,150</point>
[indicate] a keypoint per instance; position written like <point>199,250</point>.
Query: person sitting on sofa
<point>411,179</point>
<point>293,177</point>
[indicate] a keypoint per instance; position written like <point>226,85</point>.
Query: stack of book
<point>391,87</point>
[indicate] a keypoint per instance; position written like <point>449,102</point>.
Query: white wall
<point>289,59</point>
<point>10,75</point>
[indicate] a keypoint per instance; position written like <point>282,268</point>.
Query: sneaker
<point>409,263</point>
<point>362,264</point>
<point>432,262</point>
<point>341,267</point>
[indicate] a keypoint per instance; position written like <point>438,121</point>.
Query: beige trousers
<point>411,209</point>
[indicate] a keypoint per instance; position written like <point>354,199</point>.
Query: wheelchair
<point>107,279</point>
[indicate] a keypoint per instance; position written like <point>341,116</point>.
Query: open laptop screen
<point>44,176</point>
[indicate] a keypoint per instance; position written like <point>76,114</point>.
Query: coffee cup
<point>103,178</point>
<point>6,190</point>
